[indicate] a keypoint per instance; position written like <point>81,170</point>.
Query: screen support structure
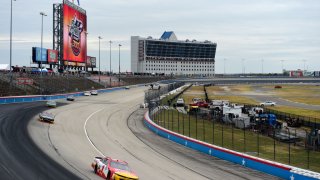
<point>58,32</point>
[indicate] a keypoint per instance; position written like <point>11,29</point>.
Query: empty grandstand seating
<point>7,90</point>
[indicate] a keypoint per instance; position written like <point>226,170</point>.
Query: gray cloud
<point>244,29</point>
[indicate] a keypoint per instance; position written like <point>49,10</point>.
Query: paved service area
<point>109,125</point>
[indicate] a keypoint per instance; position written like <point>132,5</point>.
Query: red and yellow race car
<point>113,169</point>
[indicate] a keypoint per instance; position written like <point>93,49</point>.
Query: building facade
<point>170,56</point>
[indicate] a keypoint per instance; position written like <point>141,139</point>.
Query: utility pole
<point>99,59</point>
<point>119,63</point>
<point>110,63</point>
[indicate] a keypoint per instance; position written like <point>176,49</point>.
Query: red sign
<point>74,35</point>
<point>52,56</point>
<point>25,81</point>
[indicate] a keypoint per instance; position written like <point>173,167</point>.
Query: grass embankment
<point>212,133</point>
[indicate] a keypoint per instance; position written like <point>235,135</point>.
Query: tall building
<point>168,55</point>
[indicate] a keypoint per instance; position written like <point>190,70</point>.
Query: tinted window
<point>119,165</point>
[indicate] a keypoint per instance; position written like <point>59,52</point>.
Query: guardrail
<point>270,167</point>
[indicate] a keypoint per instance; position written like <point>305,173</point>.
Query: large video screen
<point>52,56</point>
<point>36,55</point>
<point>74,34</point>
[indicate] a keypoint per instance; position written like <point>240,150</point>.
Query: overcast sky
<point>256,31</point>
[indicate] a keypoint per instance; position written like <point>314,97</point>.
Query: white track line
<point>85,131</point>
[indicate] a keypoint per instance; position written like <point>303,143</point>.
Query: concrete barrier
<point>270,167</point>
<point>33,98</point>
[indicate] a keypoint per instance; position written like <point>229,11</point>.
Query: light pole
<point>304,64</point>
<point>119,63</point>
<point>282,65</point>
<point>42,14</point>
<point>99,58</point>
<point>11,44</point>
<point>86,34</point>
<point>110,64</point>
<point>243,67</point>
<point>224,66</point>
<point>262,65</point>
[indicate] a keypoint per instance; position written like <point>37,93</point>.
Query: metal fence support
<point>289,148</point>
<point>196,124</point>
<point>258,143</point>
<point>178,122</point>
<point>168,118</point>
<point>203,130</point>
<point>182,123</point>
<point>232,137</point>
<point>172,119</point>
<point>222,134</point>
<point>189,125</point>
<point>213,128</point>
<point>274,144</point>
<point>244,137</point>
<point>164,118</point>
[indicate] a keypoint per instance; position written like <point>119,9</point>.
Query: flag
<point>78,2</point>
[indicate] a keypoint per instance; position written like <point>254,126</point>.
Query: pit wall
<point>33,98</point>
<point>277,169</point>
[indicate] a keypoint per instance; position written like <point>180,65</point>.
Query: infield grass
<point>241,141</point>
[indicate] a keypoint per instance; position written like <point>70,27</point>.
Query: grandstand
<point>45,84</point>
<point>50,83</point>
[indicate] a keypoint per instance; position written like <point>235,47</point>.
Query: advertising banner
<point>52,56</point>
<point>74,34</point>
<point>93,61</point>
<point>24,81</point>
<point>36,55</point>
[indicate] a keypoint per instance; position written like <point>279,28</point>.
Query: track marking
<point>85,131</point>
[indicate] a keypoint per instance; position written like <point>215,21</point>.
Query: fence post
<point>232,137</point>
<point>203,130</point>
<point>244,137</point>
<point>172,119</point>
<point>213,118</point>
<point>189,124</point>
<point>222,134</point>
<point>164,118</point>
<point>168,118</point>
<point>289,145</point>
<point>196,124</point>
<point>178,122</point>
<point>258,143</point>
<point>274,143</point>
<point>308,150</point>
<point>183,123</point>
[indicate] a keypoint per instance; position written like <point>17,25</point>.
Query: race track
<point>104,125</point>
<point>20,158</point>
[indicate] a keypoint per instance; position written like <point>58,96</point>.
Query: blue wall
<point>21,99</point>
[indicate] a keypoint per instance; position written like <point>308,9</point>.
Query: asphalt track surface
<point>104,125</point>
<point>20,158</point>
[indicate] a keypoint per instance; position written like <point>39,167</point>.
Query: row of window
<point>151,65</point>
<point>160,69</point>
<point>175,62</point>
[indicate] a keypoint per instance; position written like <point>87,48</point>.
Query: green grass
<point>210,132</point>
<point>308,94</point>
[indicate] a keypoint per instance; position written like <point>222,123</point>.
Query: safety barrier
<point>33,98</point>
<point>270,167</point>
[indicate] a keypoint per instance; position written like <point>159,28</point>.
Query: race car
<point>113,169</point>
<point>45,116</point>
<point>51,103</point>
<point>70,98</point>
